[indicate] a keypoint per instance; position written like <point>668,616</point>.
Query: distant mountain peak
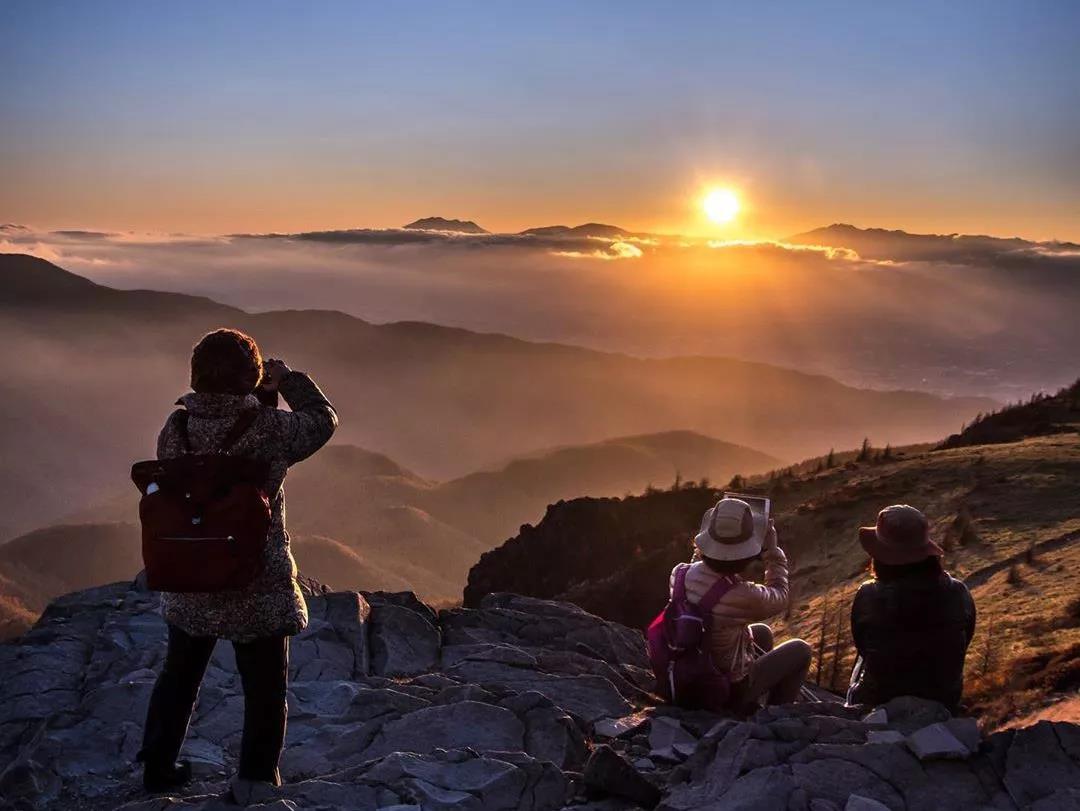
<point>589,229</point>
<point>444,224</point>
<point>900,237</point>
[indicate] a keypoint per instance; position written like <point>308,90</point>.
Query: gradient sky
<point>257,116</point>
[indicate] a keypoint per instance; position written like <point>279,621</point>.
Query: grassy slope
<point>1009,518</point>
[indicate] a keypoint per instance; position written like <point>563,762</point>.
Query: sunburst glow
<point>720,205</point>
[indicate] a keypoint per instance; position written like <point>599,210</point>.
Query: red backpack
<point>678,648</point>
<point>205,517</point>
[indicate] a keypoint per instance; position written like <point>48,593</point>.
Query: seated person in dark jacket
<point>912,623</point>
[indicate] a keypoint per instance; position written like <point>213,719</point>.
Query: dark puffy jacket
<point>912,634</point>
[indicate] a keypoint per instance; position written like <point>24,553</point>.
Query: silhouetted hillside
<point>589,542</point>
<point>331,562</point>
<point>38,566</point>
<point>27,282</point>
<point>1042,415</point>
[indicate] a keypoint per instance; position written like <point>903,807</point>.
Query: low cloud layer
<point>884,308</point>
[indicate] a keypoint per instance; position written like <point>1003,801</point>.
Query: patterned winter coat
<point>272,604</point>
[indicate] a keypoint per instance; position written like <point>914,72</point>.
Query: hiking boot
<point>163,778</point>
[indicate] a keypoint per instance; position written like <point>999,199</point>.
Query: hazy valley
<point>90,374</point>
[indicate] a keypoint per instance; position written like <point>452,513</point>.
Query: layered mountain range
<point>358,519</point>
<point>91,372</point>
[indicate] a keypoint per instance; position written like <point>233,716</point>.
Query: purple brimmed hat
<point>902,536</point>
<point>727,531</point>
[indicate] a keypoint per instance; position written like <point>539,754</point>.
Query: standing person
<point>226,370</point>
<point>912,623</point>
<point>727,544</point>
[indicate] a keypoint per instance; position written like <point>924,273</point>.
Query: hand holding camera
<point>772,540</point>
<point>274,371</point>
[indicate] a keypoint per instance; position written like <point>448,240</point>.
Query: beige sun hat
<point>727,531</point>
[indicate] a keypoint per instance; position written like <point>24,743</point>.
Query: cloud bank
<point>883,308</point>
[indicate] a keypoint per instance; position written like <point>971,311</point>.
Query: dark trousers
<point>264,673</point>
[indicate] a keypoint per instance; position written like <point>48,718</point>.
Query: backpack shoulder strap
<point>679,590</point>
<point>239,428</point>
<point>716,593</point>
<point>180,418</point>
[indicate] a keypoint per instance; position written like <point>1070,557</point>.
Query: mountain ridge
<point>885,243</point>
<point>589,229</point>
<point>444,224</point>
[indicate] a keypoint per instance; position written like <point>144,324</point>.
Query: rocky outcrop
<point>595,551</point>
<point>518,703</point>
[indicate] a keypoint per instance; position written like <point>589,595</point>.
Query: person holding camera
<point>223,417</point>
<point>746,667</point>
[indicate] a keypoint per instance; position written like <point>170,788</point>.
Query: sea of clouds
<point>947,313</point>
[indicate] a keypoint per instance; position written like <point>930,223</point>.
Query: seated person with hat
<point>912,622</point>
<point>726,545</point>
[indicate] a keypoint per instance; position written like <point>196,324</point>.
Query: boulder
<point>908,713</point>
<point>1039,760</point>
<point>936,741</point>
<point>606,773</point>
<point>876,717</point>
<point>481,727</point>
<point>665,733</point>
<point>462,780</point>
<point>858,803</point>
<point>586,697</point>
<point>617,727</point>
<point>404,642</point>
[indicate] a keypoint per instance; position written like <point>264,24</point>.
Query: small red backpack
<point>677,643</point>
<point>205,517</point>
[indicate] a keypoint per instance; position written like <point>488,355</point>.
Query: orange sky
<point>252,117</point>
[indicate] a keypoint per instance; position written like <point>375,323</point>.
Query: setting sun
<point>720,205</point>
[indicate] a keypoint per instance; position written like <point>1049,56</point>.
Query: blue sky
<point>286,116</point>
